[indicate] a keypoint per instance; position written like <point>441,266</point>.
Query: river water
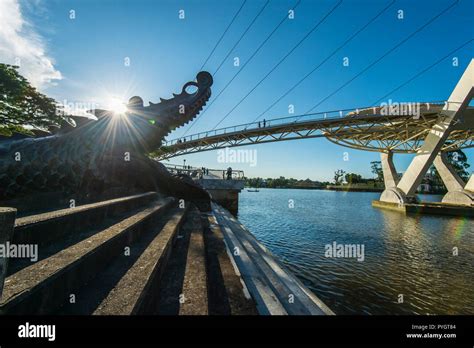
<point>408,265</point>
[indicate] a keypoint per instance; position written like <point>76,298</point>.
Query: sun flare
<point>117,106</point>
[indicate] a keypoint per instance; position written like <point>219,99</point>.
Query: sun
<point>117,106</point>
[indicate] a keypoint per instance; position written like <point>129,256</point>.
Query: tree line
<point>457,158</point>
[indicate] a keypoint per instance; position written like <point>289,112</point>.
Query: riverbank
<point>328,188</point>
<point>352,188</point>
<point>343,188</point>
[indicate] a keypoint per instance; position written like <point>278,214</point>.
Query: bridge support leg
<point>390,178</point>
<point>470,184</point>
<point>453,182</point>
<point>452,111</point>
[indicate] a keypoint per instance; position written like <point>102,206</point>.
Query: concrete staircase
<point>145,255</point>
<point>135,255</point>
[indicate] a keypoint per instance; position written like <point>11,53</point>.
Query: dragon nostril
<point>191,89</point>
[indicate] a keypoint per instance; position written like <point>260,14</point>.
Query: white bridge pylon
<point>455,111</point>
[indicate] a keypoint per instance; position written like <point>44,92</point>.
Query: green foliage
<point>282,182</point>
<point>376,167</point>
<point>458,161</point>
<point>22,106</point>
<point>353,178</point>
<point>338,175</point>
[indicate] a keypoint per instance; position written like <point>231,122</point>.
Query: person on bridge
<point>229,173</point>
<point>258,124</point>
<point>264,123</point>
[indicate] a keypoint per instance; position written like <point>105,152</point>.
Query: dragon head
<point>172,113</point>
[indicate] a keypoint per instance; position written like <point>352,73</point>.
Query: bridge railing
<point>205,173</point>
<point>316,116</point>
<point>262,124</point>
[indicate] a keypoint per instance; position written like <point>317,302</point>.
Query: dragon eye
<point>151,121</point>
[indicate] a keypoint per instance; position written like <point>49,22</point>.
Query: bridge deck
<point>367,129</point>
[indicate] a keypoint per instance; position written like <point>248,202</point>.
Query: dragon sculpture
<point>91,156</point>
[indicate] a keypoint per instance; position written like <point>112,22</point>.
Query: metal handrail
<point>199,173</point>
<point>327,115</point>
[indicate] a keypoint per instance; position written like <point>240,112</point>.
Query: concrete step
<point>184,288</point>
<point>289,292</point>
<point>194,296</point>
<point>274,289</point>
<point>47,250</point>
<point>92,295</point>
<point>226,294</point>
<point>135,292</point>
<point>265,298</point>
<point>45,286</point>
<point>48,228</point>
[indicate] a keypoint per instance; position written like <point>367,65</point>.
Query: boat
<point>253,190</point>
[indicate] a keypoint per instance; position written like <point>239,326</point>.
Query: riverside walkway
<point>224,185</point>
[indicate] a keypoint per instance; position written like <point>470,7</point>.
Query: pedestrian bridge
<point>395,128</point>
<point>429,130</point>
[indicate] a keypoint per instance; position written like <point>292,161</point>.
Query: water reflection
<point>404,255</point>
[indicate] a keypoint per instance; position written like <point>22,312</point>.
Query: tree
<point>376,167</point>
<point>22,107</point>
<point>353,178</point>
<point>458,161</point>
<point>338,175</point>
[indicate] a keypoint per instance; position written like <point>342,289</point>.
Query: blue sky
<point>88,55</point>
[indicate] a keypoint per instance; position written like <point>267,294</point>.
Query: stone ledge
<point>435,208</point>
<point>217,184</point>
